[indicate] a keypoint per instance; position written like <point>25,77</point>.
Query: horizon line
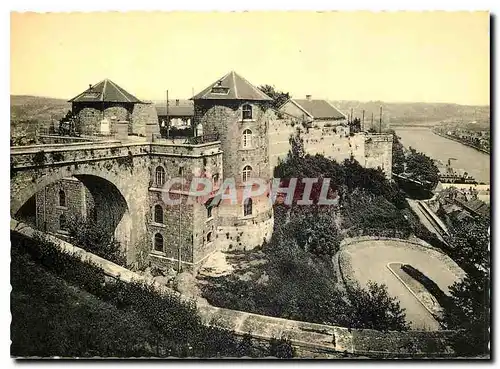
<point>343,100</point>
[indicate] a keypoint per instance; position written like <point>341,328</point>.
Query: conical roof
<point>232,87</point>
<point>105,91</point>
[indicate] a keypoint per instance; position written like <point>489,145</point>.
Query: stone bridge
<point>117,174</point>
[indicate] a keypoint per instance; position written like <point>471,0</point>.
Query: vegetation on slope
<point>469,307</point>
<point>64,307</point>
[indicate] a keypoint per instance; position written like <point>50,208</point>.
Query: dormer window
<point>247,111</point>
<point>219,89</point>
<point>92,95</point>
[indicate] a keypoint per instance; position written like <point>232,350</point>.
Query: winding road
<point>368,261</point>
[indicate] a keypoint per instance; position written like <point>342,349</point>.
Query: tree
<point>398,154</point>
<point>470,241</point>
<point>315,232</point>
<point>281,348</point>
<point>420,167</point>
<point>93,238</point>
<point>469,305</point>
<point>279,97</point>
<point>373,308</point>
<point>468,312</point>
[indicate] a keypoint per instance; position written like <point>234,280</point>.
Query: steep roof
<point>105,91</point>
<point>232,87</point>
<point>319,109</point>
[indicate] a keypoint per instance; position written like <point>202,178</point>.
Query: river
<point>474,162</point>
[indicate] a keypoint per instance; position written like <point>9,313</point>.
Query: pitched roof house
<point>232,87</point>
<point>105,91</point>
<point>312,110</point>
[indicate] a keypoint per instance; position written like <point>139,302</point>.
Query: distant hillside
<point>40,110</point>
<point>23,107</point>
<point>415,113</point>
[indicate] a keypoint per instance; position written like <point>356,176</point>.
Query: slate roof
<point>232,87</point>
<point>184,109</point>
<point>318,109</point>
<point>105,91</point>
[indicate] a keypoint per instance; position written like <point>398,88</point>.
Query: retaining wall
<point>311,336</point>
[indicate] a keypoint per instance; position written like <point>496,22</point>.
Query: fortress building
<point>102,105</point>
<point>240,114</point>
<point>120,182</point>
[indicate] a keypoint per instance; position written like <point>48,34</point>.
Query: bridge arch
<point>111,201</point>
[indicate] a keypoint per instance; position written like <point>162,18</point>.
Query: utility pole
<point>351,116</point>
<point>380,121</point>
<point>372,121</point>
<point>362,128</point>
<point>167,122</point>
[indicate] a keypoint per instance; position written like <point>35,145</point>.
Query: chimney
<point>90,87</point>
<point>308,97</point>
<point>176,102</point>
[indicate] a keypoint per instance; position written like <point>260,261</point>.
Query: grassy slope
<point>52,318</point>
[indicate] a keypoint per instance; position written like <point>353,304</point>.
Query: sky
<point>387,56</point>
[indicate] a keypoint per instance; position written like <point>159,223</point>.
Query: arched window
<point>159,176</point>
<point>247,138</point>
<point>158,216</point>
<point>215,179</point>
<point>209,237</point>
<point>62,198</point>
<point>62,222</point>
<point>247,111</point>
<point>247,207</point>
<point>158,242</point>
<point>247,172</point>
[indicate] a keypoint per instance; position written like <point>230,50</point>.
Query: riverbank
<point>466,159</point>
<point>460,141</point>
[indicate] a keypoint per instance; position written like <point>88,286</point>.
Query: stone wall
<point>89,115</point>
<point>225,118</point>
<point>336,143</point>
<point>193,219</point>
<point>144,115</point>
<point>78,203</point>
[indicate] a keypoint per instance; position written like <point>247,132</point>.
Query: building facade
<point>240,114</point>
<point>97,109</point>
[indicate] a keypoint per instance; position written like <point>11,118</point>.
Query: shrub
<point>176,325</point>
<point>428,283</point>
<point>281,348</point>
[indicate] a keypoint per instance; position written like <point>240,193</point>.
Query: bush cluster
<point>176,328</point>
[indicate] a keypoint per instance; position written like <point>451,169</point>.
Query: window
<point>158,242</point>
<point>62,198</point>
<point>62,222</point>
<point>247,207</point>
<point>247,172</point>
<point>247,111</point>
<point>181,170</point>
<point>247,138</point>
<point>209,237</point>
<point>158,216</point>
<point>160,176</point>
<point>215,179</point>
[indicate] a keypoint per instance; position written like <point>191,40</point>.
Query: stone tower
<point>239,113</point>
